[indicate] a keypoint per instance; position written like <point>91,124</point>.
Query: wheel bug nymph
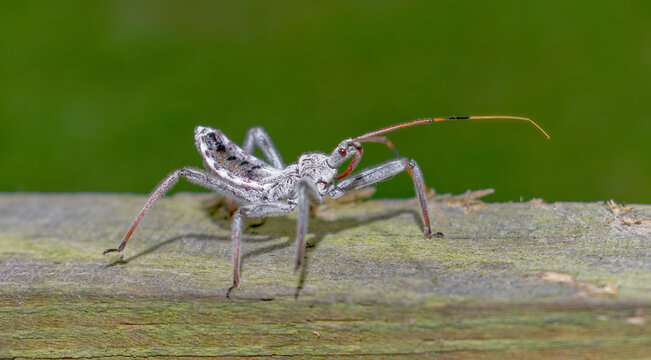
<point>262,188</point>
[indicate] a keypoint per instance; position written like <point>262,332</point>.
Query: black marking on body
<point>229,156</point>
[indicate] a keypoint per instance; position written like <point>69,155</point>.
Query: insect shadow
<point>283,227</point>
<point>199,237</point>
<point>280,227</point>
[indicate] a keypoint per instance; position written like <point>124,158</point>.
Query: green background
<point>104,95</point>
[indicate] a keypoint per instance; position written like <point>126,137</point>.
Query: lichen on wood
<point>525,279</point>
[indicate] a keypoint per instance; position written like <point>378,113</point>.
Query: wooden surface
<point>509,280</point>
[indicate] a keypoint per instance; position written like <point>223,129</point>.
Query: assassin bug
<point>269,188</point>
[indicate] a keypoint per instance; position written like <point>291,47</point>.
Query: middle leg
<point>252,210</point>
<point>307,191</point>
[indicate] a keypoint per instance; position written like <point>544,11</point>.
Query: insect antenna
<point>440,119</point>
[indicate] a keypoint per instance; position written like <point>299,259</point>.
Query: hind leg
<point>208,180</point>
<point>257,136</point>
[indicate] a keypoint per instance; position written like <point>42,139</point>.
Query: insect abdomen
<point>219,152</point>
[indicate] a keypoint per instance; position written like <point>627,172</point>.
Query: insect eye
<point>342,152</point>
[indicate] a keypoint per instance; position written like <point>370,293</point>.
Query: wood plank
<point>512,280</point>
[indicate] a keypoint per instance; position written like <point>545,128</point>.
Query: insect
<point>263,188</point>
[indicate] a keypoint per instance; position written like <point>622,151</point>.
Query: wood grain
<point>509,280</point>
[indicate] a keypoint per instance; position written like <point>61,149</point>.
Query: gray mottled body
<point>269,188</point>
<point>264,182</point>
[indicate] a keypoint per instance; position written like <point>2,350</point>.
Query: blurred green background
<point>104,95</point>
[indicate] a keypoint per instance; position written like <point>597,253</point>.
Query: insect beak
<point>355,150</point>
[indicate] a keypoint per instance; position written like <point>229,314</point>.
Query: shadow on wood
<point>510,279</point>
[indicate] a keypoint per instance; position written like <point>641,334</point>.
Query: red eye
<point>342,152</point>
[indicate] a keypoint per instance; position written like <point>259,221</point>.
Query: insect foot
<point>111,250</point>
<point>429,235</point>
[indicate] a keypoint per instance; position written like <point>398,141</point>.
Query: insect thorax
<point>315,166</point>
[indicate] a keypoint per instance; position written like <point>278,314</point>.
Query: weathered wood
<point>509,279</point>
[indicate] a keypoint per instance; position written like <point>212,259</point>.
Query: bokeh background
<point>104,95</point>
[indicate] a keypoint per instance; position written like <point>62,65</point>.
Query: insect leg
<point>306,191</point>
<point>236,237</point>
<point>252,210</point>
<point>385,171</point>
<point>195,176</point>
<point>416,175</point>
<point>258,136</point>
<point>367,177</point>
<point>267,209</point>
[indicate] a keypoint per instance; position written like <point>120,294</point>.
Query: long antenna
<point>431,120</point>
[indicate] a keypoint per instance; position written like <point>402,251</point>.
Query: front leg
<point>385,171</point>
